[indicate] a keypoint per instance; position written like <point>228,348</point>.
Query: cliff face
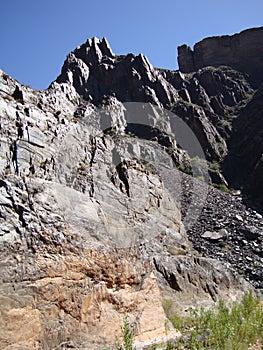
<point>96,217</point>
<point>245,146</point>
<point>95,71</point>
<point>208,100</point>
<point>242,52</point>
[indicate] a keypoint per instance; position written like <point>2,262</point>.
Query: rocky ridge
<point>79,246</point>
<point>216,102</point>
<point>242,52</point>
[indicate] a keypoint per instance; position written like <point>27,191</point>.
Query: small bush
<point>222,328</point>
<point>215,166</point>
<point>221,187</point>
<point>5,76</point>
<point>185,169</point>
<point>127,337</point>
<point>167,307</point>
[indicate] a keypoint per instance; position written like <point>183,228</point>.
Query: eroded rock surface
<point>215,99</point>
<point>95,216</point>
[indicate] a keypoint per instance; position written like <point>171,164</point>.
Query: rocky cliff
<point>97,218</point>
<point>242,52</point>
<point>211,101</point>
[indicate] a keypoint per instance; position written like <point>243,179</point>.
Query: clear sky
<point>36,35</point>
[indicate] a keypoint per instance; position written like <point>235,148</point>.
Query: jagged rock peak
<point>94,50</point>
<point>94,71</point>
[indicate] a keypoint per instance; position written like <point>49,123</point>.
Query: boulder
<point>215,236</point>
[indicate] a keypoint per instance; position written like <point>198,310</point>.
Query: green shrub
<point>4,75</point>
<point>222,328</point>
<point>127,337</point>
<point>214,166</point>
<point>185,169</point>
<point>167,307</point>
<point>221,187</point>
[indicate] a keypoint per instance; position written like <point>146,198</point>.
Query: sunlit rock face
<point>243,52</point>
<point>96,215</point>
<point>211,93</point>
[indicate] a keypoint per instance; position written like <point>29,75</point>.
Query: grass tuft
<point>222,328</point>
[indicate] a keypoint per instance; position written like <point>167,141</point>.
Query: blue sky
<point>36,35</point>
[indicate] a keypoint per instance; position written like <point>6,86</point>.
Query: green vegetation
<point>185,168</point>
<point>75,119</point>
<point>110,131</point>
<point>199,168</point>
<point>167,307</point>
<point>221,187</point>
<point>170,150</point>
<point>174,104</point>
<point>182,102</point>
<point>127,337</point>
<point>4,75</point>
<point>221,328</point>
<point>214,166</point>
